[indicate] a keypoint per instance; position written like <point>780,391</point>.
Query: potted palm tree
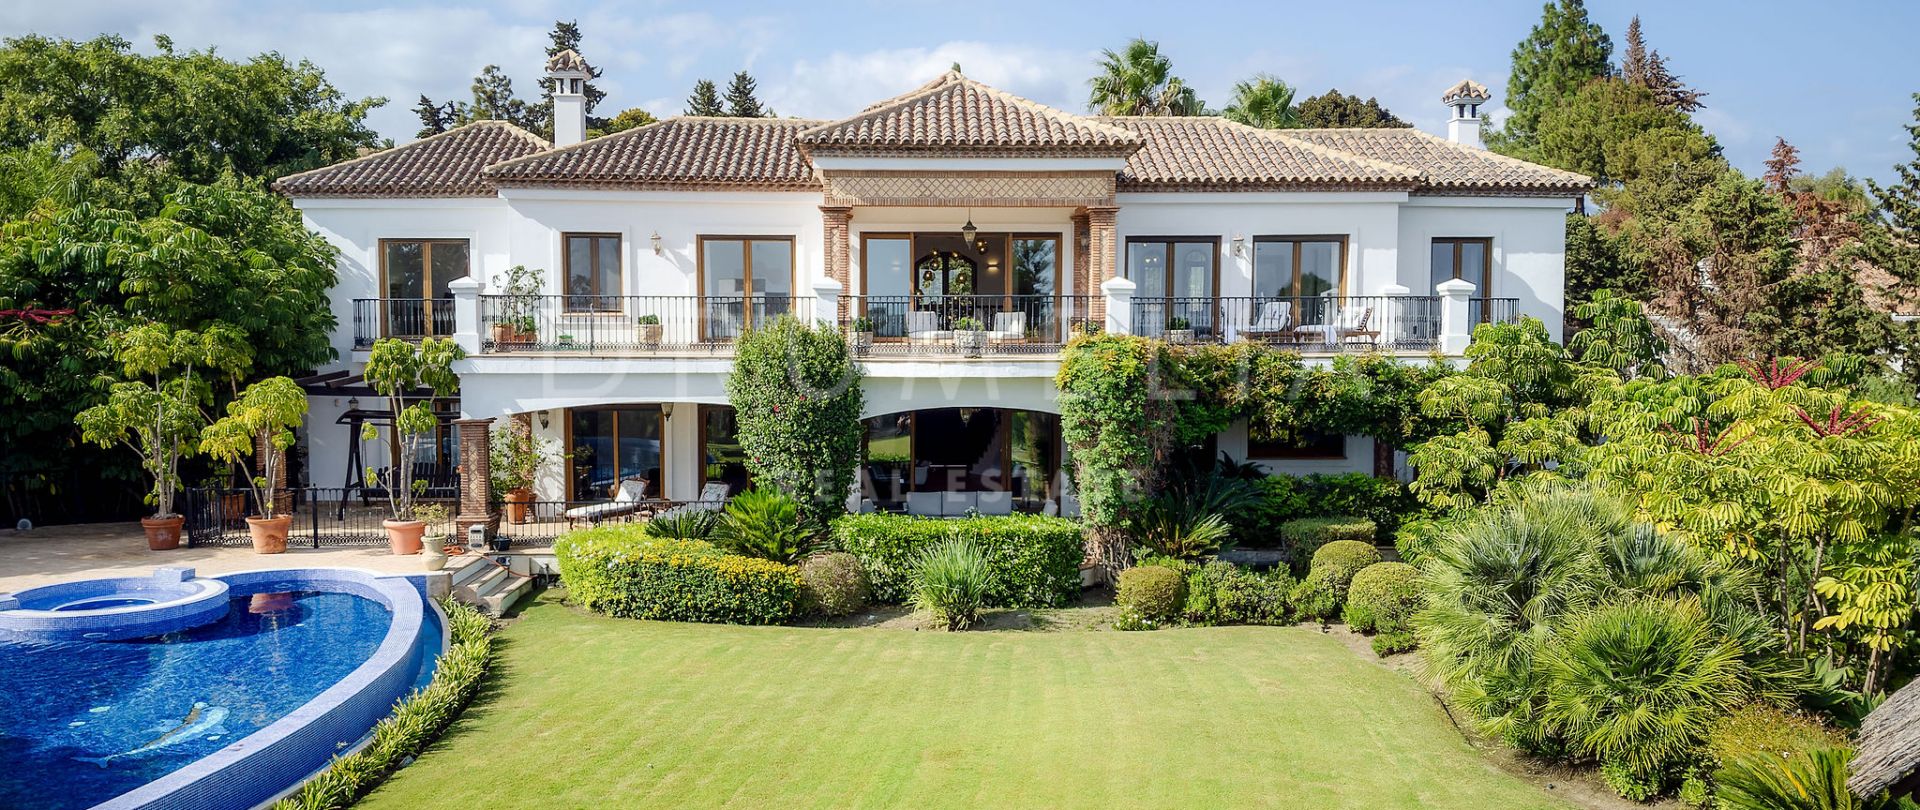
<point>261,418</point>
<point>647,330</point>
<point>862,334</point>
<point>516,458</point>
<point>1179,330</point>
<point>968,336</point>
<point>409,377</point>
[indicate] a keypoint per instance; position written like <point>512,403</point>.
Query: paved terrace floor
<point>58,553</point>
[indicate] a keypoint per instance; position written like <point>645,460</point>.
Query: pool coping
<point>191,601</point>
<point>254,769</point>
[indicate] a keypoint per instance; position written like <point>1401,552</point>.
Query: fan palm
<point>1263,101</point>
<point>1139,81</point>
<point>1803,780</point>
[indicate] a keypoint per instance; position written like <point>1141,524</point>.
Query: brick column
<point>1083,283</point>
<point>1103,253</point>
<point>476,477</point>
<point>837,221</point>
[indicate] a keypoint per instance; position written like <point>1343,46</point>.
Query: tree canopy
<point>705,100</point>
<point>1139,80</point>
<point>741,102</point>
<point>1336,109</point>
<point>1562,53</point>
<point>1262,101</point>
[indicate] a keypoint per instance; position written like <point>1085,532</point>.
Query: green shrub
<point>682,525</point>
<point>1303,538</point>
<point>1153,591</point>
<point>1337,563</point>
<point>764,523</point>
<point>1383,598</point>
<point>1224,593</point>
<point>1416,536</point>
<point>1384,501</point>
<point>415,721</point>
<point>1035,560</point>
<point>619,571</point>
<point>796,397</point>
<point>1632,783</point>
<point>951,581</point>
<point>1314,598</point>
<point>1394,641</point>
<point>1170,525</point>
<point>1758,728</point>
<point>833,584</point>
<point>1806,780</point>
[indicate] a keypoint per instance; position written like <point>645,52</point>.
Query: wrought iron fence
<point>403,318</point>
<point>963,324</point>
<point>622,323</point>
<point>322,516</point>
<point>1314,323</point>
<point>542,522</point>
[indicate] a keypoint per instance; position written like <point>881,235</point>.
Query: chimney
<point>1464,99</point>
<point>569,74</point>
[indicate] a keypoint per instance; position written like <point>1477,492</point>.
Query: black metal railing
<point>622,323</point>
<point>963,324</point>
<point>1312,323</point>
<point>322,516</point>
<point>402,318</point>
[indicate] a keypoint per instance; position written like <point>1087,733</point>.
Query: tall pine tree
<point>434,118</point>
<point>1562,53</point>
<point>705,100</point>
<point>1891,243</point>
<point>1649,69</point>
<point>565,36</point>
<point>740,100</point>
<point>493,99</point>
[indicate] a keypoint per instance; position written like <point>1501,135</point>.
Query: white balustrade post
<point>826,302</point>
<point>1119,295</point>
<point>1392,314</point>
<point>1456,324</point>
<point>466,313</point>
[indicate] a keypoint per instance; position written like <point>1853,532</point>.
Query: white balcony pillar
<point>466,313</point>
<point>1456,324</point>
<point>1393,324</point>
<point>826,302</point>
<point>1119,301</point>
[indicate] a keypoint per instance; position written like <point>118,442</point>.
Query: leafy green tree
<point>435,117</point>
<point>1593,124</point>
<point>1138,80</point>
<point>195,112</point>
<point>1595,262</point>
<point>1562,53</point>
<point>410,378</point>
<point>1336,109</point>
<point>796,390</point>
<point>1262,101</point>
<point>1891,241</point>
<point>263,417</point>
<point>705,100</point>
<point>629,118</point>
<point>741,102</point>
<point>1619,337</point>
<point>494,100</point>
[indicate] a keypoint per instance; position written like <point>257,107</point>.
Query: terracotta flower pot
<point>163,534</point>
<point>269,534</point>
<point>519,504</point>
<point>403,536</point>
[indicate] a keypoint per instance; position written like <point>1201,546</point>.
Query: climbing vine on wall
<point>796,395</point>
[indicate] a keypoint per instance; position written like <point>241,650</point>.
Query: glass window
<point>743,279</point>
<point>723,459</point>
<point>1291,266</point>
<point>889,459</point>
<point>593,272</point>
<point>1470,261</point>
<point>1147,268</point>
<point>887,267</point>
<point>1306,446</point>
<point>610,445</point>
<point>417,272</point>
<point>1035,265</point>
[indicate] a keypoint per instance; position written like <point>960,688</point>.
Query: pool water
<point>86,721</point>
<point>105,602</point>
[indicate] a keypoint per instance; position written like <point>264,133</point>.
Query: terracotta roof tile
<point>1449,168</point>
<point>675,153</point>
<point>443,165</point>
<point>1194,153</point>
<point>955,112</point>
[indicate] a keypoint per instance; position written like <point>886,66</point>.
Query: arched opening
<point>937,461</point>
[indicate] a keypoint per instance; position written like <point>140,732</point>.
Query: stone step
<point>499,601</point>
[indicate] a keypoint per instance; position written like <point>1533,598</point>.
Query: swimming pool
<point>225,714</point>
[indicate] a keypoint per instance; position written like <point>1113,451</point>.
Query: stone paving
<point>58,553</point>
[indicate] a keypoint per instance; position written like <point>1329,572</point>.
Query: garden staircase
<point>483,583</point>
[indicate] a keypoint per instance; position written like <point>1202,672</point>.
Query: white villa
<point>965,231</point>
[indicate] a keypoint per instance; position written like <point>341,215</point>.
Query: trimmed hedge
<point>1384,501</point>
<point>1301,539</point>
<point>415,722</point>
<point>1337,563</point>
<point>1224,593</point>
<point>1152,591</point>
<point>620,571</point>
<point>1035,560</point>
<point>1383,598</point>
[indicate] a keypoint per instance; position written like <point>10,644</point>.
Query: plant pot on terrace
<point>403,536</point>
<point>862,335</point>
<point>1179,331</point>
<point>519,505</point>
<point>269,535</point>
<point>968,337</point>
<point>647,331</point>
<point>163,533</point>
<point>433,518</point>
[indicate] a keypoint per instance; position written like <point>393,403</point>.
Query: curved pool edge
<point>260,766</point>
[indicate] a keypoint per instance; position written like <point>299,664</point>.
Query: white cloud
<point>842,83</point>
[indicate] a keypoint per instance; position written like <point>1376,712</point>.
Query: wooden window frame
<point>1340,285</point>
<point>566,270</point>
<point>1213,284</point>
<point>701,413</point>
<point>566,416</point>
<point>426,275</point>
<point>746,271</point>
<point>1485,291</point>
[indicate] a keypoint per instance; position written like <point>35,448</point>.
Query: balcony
<point>622,324</point>
<point>403,318</point>
<point>1317,324</point>
<point>962,325</point>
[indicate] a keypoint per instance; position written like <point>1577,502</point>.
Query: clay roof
<point>1205,153</point>
<point>1447,167</point>
<point>954,112</point>
<point>1467,88</point>
<point>685,152</point>
<point>568,61</point>
<point>443,165</point>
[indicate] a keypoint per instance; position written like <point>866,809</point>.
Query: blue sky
<point>1835,78</point>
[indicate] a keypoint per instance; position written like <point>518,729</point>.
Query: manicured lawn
<point>587,711</point>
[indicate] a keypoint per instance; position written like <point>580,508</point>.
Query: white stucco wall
<point>1529,247</point>
<point>1369,220</point>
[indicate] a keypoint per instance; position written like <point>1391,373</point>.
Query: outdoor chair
<point>1008,327</point>
<point>1274,322</point>
<point>713,496</point>
<point>923,326</point>
<point>629,497</point>
<point>1353,328</point>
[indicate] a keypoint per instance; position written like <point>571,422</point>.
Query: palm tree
<point>1263,101</point>
<point>1139,81</point>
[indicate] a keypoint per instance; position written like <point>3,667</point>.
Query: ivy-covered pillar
<point>476,476</point>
